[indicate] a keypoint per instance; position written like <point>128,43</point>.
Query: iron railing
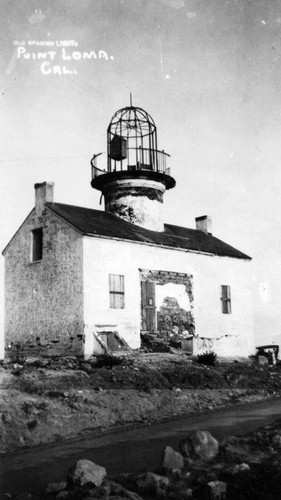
<point>137,159</point>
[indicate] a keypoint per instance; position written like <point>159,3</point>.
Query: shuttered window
<point>225,299</point>
<point>116,291</point>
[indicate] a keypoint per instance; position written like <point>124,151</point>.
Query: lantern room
<point>136,172</point>
<point>132,142</point>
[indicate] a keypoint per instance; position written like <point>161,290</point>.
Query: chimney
<point>204,223</point>
<point>44,193</point>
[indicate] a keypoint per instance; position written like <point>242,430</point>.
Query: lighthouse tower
<point>137,175</point>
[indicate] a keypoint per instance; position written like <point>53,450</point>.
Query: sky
<point>207,71</point>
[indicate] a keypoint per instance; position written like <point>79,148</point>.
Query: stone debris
<point>84,472</point>
<point>238,468</point>
<point>151,483</point>
<point>191,480</point>
<point>200,444</point>
<point>216,490</point>
<point>172,460</point>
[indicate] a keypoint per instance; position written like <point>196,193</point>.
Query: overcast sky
<point>209,73</point>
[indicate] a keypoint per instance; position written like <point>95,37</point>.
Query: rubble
<point>85,472</point>
<point>201,444</point>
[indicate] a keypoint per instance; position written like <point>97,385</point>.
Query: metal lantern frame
<point>132,142</point>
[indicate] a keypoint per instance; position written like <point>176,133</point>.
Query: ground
<point>44,400</point>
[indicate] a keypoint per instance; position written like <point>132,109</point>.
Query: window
<point>37,244</point>
<point>225,299</point>
<point>116,291</point>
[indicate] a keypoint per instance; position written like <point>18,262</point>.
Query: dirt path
<point>53,399</point>
<point>127,451</point>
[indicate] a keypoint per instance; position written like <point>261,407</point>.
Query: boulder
<point>235,449</point>
<point>216,490</point>
<point>151,483</point>
<point>237,468</point>
<point>172,459</point>
<point>200,444</point>
<point>84,472</point>
<point>119,490</point>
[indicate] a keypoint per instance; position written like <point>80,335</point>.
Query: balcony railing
<point>137,159</point>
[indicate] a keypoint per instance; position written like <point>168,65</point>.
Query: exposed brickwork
<point>44,299</point>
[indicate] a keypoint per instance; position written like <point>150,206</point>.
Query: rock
<point>118,489</point>
<point>6,417</point>
<point>276,441</point>
<point>235,449</point>
<point>151,483</point>
<point>101,492</point>
<point>128,480</point>
<point>237,468</point>
<point>63,495</point>
<point>172,459</point>
<point>87,367</point>
<point>200,444</point>
<point>55,487</point>
<point>216,490</point>
<point>180,491</point>
<point>85,471</point>
<point>176,473</point>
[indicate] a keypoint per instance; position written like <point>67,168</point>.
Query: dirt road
<point>129,450</point>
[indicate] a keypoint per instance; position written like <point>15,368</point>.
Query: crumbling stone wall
<point>171,318</point>
<point>44,299</point>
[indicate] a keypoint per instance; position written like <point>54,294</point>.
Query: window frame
<point>116,291</point>
<point>36,244</point>
<point>226,305</point>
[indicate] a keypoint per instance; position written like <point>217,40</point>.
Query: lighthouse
<point>137,172</point>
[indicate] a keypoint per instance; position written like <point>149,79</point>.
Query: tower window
<point>116,291</point>
<point>36,244</point>
<point>225,299</point>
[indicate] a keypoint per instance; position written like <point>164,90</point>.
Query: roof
<point>99,223</point>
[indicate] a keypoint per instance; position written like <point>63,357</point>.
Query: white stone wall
<point>227,334</point>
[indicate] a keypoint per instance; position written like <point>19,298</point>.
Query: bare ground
<point>44,400</point>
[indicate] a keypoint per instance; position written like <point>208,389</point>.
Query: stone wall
<point>44,299</point>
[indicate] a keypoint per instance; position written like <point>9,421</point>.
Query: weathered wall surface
<point>44,299</point>
<point>227,334</point>
<point>138,201</point>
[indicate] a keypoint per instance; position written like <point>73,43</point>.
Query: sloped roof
<point>99,223</point>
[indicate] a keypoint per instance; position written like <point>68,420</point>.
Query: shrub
<point>17,358</point>
<point>207,358</point>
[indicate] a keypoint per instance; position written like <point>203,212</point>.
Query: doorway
<point>148,306</point>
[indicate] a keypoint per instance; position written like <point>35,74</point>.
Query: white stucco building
<point>79,279</point>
